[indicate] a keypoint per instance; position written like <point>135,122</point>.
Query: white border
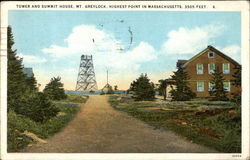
<point>242,6</point>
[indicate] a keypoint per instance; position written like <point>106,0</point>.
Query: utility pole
<point>107,86</point>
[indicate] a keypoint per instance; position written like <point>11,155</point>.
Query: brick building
<point>200,69</point>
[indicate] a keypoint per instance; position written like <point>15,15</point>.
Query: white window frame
<point>209,86</point>
<point>229,86</point>
<point>198,86</point>
<point>224,68</point>
<point>198,70</point>
<point>212,56</point>
<point>211,71</point>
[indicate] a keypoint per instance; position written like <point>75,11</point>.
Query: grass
<point>17,124</point>
<point>213,124</point>
<point>74,99</point>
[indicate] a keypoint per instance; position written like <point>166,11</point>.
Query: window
<point>226,86</point>
<point>226,68</point>
<point>200,86</point>
<point>211,68</point>
<point>210,54</point>
<point>210,86</point>
<point>199,68</point>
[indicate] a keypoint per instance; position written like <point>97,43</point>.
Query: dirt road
<point>98,128</point>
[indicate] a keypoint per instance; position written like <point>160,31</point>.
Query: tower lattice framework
<point>86,80</point>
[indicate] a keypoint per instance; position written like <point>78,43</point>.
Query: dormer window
<point>210,54</point>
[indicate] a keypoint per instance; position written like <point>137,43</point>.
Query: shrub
<point>143,88</point>
<point>37,107</point>
<point>54,89</point>
<point>15,139</point>
<point>18,123</point>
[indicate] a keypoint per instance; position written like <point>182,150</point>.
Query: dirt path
<point>98,128</point>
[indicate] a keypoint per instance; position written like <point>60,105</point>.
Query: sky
<point>127,43</point>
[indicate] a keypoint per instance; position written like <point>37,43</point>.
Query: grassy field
<point>18,124</point>
<point>213,124</point>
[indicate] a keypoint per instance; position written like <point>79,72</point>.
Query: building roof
<point>211,48</point>
<point>28,72</point>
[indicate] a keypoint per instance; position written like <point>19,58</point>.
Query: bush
<point>54,89</point>
<point>37,107</point>
<point>232,121</point>
<point>15,139</point>
<point>143,88</point>
<point>18,123</point>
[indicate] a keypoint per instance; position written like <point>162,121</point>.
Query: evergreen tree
<point>162,88</point>
<point>54,89</point>
<point>16,80</point>
<point>22,95</point>
<point>237,77</point>
<point>237,83</point>
<point>37,107</point>
<point>217,91</point>
<point>182,92</point>
<point>31,83</point>
<point>143,88</point>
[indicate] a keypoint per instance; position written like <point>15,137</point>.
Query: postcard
<point>124,80</point>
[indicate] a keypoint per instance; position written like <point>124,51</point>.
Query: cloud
<point>104,48</point>
<point>233,51</point>
<point>84,39</point>
<point>32,59</point>
<point>142,53</point>
<point>190,40</point>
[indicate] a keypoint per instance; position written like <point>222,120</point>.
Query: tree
<point>37,107</point>
<point>217,90</point>
<point>22,94</point>
<point>162,88</point>
<point>115,87</point>
<point>237,83</point>
<point>31,83</point>
<point>18,83</point>
<point>54,89</point>
<point>16,78</point>
<point>143,88</point>
<point>182,92</point>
